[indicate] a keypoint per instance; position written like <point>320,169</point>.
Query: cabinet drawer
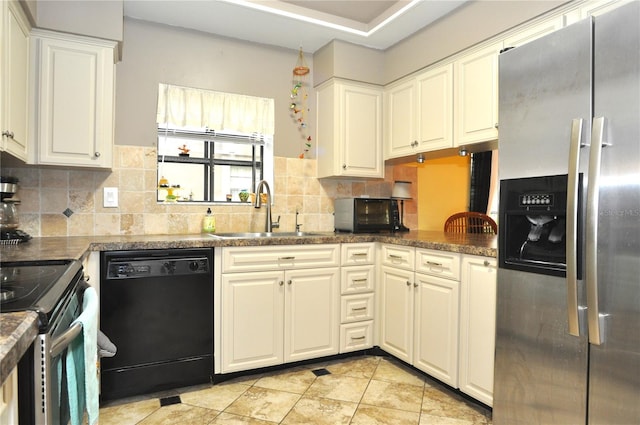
<point>438,263</point>
<point>357,279</point>
<point>401,257</point>
<point>356,308</point>
<point>356,336</point>
<point>262,258</point>
<point>355,254</point>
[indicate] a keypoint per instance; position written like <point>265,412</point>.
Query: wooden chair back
<point>470,222</point>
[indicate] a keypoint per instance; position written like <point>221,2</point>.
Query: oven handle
<point>60,343</point>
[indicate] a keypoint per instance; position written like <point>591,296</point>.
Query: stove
<point>38,286</point>
<point>53,289</point>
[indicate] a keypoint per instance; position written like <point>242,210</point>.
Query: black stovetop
<point>37,285</point>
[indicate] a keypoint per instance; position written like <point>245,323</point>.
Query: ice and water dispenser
<point>533,224</point>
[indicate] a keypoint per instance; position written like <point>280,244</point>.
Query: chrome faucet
<point>297,224</point>
<point>269,225</point>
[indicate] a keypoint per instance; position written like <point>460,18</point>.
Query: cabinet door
<point>74,100</point>
<point>476,94</point>
<point>312,313</point>
<point>436,327</point>
<point>361,131</point>
<point>477,327</point>
<point>252,320</point>
<point>435,108</point>
<point>396,312</point>
<point>400,133</point>
<point>14,75</point>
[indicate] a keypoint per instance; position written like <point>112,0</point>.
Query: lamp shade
<point>401,190</point>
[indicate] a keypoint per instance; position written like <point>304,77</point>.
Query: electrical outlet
<point>110,199</point>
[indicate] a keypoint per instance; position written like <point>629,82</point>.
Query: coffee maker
<point>9,232</point>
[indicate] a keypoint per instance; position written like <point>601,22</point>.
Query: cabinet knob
<point>414,144</point>
<point>97,154</point>
<point>486,263</point>
<point>281,283</point>
<point>289,281</point>
<point>408,283</point>
<point>415,285</point>
<point>344,166</point>
<point>496,125</point>
<point>7,133</point>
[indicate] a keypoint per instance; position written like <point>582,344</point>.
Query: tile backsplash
<point>46,193</point>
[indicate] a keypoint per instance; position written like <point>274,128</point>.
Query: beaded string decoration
<point>298,106</point>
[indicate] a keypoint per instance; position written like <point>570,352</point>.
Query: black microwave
<point>366,215</point>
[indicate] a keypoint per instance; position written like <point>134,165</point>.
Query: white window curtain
<point>188,107</point>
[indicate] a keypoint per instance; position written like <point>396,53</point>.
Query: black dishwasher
<point>156,306</point>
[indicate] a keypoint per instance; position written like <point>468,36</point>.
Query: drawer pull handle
<point>359,254</point>
<point>359,309</point>
<point>395,257</point>
<point>287,258</point>
<point>357,338</point>
<point>433,263</point>
<point>359,280</point>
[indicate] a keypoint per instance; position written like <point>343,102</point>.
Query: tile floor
<point>357,390</point>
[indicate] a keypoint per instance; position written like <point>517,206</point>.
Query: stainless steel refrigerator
<point>568,309</point>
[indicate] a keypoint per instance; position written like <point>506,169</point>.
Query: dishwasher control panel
<point>145,267</point>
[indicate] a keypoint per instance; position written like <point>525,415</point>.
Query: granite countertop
<point>75,247</point>
<point>18,330</point>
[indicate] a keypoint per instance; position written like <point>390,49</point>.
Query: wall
<point>102,19</point>
<point>155,53</point>
<point>444,190</point>
<point>467,25</point>
<point>47,192</point>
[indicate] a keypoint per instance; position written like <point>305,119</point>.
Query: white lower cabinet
<point>290,313</point>
<point>252,320</point>
<point>419,301</point>
<point>436,327</point>
<point>477,327</point>
<point>357,301</point>
<point>9,399</point>
<point>396,312</point>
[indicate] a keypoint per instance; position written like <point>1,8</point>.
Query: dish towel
<point>82,355</point>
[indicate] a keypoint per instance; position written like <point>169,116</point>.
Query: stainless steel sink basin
<point>248,235</point>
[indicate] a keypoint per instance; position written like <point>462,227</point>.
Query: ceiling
<point>306,24</point>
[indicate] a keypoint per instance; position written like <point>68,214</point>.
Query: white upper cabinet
<point>349,129</point>
<point>476,96</point>
<point>419,113</point>
<point>593,8</point>
<point>73,100</point>
<point>14,66</point>
<point>400,118</point>
<point>534,32</point>
<point>435,108</point>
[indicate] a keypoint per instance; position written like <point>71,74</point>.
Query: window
<point>198,164</point>
<point>206,166</point>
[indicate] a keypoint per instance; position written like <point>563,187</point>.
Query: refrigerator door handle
<point>595,319</point>
<point>572,226</point>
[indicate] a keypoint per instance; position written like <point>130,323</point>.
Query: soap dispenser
<point>209,222</point>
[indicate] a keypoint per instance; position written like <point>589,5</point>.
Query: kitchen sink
<point>248,235</point>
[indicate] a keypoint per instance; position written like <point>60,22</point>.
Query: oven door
<point>45,392</point>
